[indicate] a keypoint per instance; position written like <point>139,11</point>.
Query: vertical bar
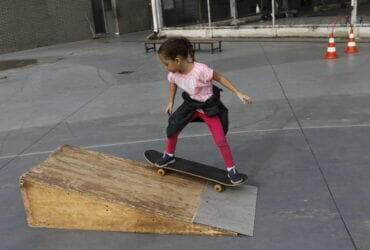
<point>354,12</point>
<point>273,12</point>
<point>159,14</point>
<point>154,14</point>
<point>209,13</point>
<point>114,7</point>
<point>200,11</point>
<point>233,10</point>
<point>104,16</point>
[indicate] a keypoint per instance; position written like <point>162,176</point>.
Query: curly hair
<point>177,46</point>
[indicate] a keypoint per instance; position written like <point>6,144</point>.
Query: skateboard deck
<point>217,176</point>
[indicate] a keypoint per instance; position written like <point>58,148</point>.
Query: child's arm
<point>173,89</point>
<point>229,85</point>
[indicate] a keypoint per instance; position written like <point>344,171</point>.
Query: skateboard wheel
<point>161,172</point>
<point>218,188</point>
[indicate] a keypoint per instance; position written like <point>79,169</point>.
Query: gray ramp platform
<point>233,209</point>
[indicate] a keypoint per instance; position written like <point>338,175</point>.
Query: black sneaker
<point>234,176</point>
<point>165,160</point>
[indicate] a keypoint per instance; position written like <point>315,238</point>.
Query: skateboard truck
<point>217,187</point>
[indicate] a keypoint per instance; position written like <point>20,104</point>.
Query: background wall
<point>26,24</point>
<point>134,15</point>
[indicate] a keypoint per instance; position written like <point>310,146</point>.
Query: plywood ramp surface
<point>82,189</point>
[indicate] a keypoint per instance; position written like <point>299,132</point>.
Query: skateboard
<point>215,175</point>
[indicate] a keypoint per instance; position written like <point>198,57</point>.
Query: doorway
<point>104,18</point>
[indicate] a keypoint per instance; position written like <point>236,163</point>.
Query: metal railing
<point>270,13</point>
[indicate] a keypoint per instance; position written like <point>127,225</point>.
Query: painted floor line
<point>183,137</point>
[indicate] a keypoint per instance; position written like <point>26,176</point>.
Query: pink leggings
<point>215,126</point>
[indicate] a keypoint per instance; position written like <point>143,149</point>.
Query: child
<point>201,100</point>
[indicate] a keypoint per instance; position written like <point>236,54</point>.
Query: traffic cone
<point>351,45</point>
<point>331,52</point>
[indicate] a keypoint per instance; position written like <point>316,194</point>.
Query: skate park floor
<point>304,142</point>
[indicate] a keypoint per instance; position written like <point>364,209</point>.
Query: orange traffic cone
<point>331,52</point>
<point>351,45</point>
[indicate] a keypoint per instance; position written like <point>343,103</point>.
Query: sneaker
<point>234,176</point>
<point>165,160</point>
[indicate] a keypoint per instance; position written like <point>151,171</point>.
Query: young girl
<point>201,100</point>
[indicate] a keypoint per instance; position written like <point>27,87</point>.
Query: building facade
<point>26,24</point>
<point>260,18</point>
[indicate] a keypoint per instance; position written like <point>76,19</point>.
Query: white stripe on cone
<point>351,44</point>
<point>331,49</point>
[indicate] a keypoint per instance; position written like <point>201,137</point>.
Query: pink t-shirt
<point>197,83</point>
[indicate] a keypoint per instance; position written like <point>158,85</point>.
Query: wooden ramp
<point>81,189</point>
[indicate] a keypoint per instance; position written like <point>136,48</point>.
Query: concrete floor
<point>304,142</point>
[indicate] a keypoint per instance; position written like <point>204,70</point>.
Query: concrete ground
<point>304,141</point>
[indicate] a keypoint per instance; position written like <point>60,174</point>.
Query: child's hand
<point>169,108</point>
<point>244,98</point>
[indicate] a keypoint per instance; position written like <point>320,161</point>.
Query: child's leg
<point>215,126</point>
<point>172,141</point>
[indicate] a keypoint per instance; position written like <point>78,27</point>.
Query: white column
<point>354,12</point>
<point>209,13</point>
<point>154,14</point>
<point>159,14</point>
<point>273,12</point>
<point>114,7</point>
<point>233,9</point>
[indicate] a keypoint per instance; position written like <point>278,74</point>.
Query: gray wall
<point>26,24</point>
<point>134,15</point>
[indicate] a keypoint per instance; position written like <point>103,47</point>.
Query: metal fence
<point>278,13</point>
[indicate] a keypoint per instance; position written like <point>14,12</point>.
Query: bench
<point>215,45</point>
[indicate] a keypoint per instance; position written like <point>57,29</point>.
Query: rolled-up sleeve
<point>170,77</point>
